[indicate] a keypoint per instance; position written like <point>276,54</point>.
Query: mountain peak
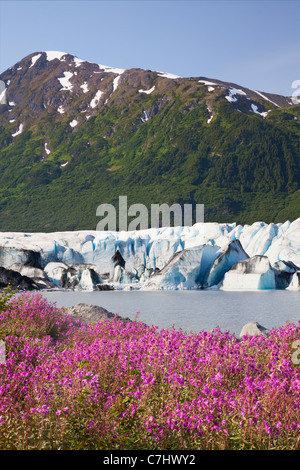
<point>69,124</point>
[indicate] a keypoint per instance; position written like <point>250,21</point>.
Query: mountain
<point>74,135</point>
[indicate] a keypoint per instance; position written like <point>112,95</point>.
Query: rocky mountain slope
<point>74,135</point>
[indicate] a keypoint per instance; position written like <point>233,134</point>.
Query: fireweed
<point>118,385</point>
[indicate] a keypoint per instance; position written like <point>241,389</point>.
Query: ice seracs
<point>206,255</point>
<point>253,273</point>
<point>187,269</point>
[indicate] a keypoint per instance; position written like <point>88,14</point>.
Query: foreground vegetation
<point>117,385</point>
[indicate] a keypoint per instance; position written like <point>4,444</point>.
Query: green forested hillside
<point>154,148</point>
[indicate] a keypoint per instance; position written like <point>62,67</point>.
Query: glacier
<point>206,255</point>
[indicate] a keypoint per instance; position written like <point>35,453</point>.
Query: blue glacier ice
<point>199,256</point>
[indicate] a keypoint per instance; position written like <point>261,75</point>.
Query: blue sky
<point>251,43</point>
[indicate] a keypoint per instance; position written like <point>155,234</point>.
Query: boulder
<point>253,329</point>
<point>19,282</point>
<point>105,287</point>
<point>29,271</point>
<point>89,313</point>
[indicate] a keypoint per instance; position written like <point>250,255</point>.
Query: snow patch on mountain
<point>205,82</point>
<point>34,60</point>
<point>96,99</point>
<point>232,94</point>
<point>47,150</point>
<point>265,98</point>
<point>116,83</point>
<point>168,75</point>
<point>85,87</point>
<point>146,117</point>
<point>211,116</point>
<point>107,69</point>
<point>19,131</point>
<point>78,62</point>
<point>61,110</point>
<point>65,81</point>
<point>255,110</point>
<point>73,123</point>
<point>148,92</point>
<point>51,55</point>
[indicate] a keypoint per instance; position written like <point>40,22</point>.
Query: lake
<point>193,310</point>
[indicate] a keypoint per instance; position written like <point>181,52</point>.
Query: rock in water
<point>89,313</point>
<point>29,271</point>
<point>10,255</point>
<point>254,329</point>
<point>8,276</point>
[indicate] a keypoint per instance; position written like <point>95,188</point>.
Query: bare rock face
<point>19,282</point>
<point>254,329</point>
<point>89,313</point>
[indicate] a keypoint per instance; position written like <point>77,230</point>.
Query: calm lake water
<point>193,310</point>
